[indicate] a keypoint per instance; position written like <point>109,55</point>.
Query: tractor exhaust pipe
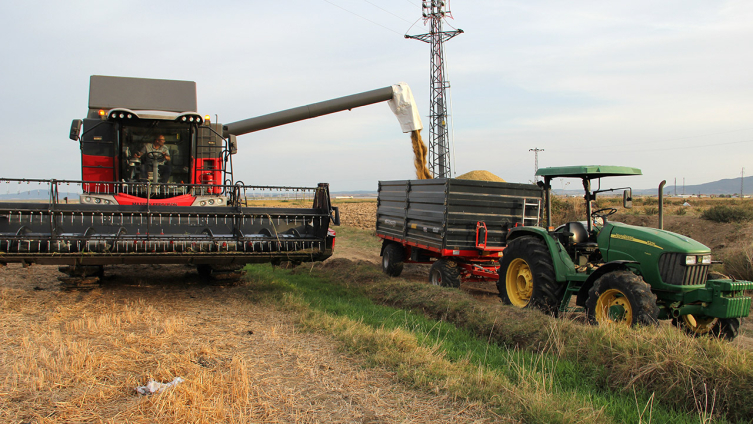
<point>661,204</point>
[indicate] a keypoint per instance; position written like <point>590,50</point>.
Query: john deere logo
<point>635,240</point>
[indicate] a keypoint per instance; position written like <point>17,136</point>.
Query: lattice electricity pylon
<point>439,140</point>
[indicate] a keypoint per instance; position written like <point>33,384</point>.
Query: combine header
<point>157,187</point>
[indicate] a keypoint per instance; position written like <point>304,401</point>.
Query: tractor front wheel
<point>444,273</point>
<point>392,259</point>
<point>621,297</point>
<point>725,328</point>
<point>526,276</point>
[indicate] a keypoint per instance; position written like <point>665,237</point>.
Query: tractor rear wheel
<point>444,273</point>
<point>622,297</point>
<point>392,259</point>
<point>526,276</point>
<point>726,328</point>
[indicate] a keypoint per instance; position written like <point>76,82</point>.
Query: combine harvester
<point>158,188</point>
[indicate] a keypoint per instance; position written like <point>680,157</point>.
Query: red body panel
<point>208,171</point>
<point>468,254</point>
<point>127,199</point>
<point>97,168</point>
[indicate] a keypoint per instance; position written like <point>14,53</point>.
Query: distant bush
<point>680,211</point>
<point>649,201</point>
<point>605,202</point>
<point>738,263</point>
<point>566,210</point>
<point>650,211</point>
<point>723,213</point>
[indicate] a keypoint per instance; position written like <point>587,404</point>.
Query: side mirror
<point>232,144</point>
<point>75,129</point>
<point>627,198</point>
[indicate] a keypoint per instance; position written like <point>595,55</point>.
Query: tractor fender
<point>604,269</point>
<point>563,264</point>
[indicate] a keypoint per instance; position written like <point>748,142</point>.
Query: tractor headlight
<point>706,259</point>
<point>690,260</point>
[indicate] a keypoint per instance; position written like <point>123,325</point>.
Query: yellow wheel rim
<point>613,307</point>
<point>519,283</point>
<point>698,325</point>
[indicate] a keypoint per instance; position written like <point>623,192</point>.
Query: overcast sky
<point>665,86</point>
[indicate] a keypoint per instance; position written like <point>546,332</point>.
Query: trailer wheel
<point>444,273</point>
<point>622,297</point>
<point>392,259</point>
<point>726,328</point>
<point>526,276</point>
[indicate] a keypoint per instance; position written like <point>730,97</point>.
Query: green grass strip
<point>682,372</point>
<point>436,355</point>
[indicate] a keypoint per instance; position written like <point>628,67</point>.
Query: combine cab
<point>157,187</point>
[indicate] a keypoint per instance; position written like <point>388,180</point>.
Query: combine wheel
<point>444,273</point>
<point>725,328</point>
<point>526,276</point>
<point>392,259</point>
<point>204,270</point>
<point>622,297</point>
<point>221,274</point>
<point>80,277</point>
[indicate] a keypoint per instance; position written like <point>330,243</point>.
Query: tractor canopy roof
<point>587,171</point>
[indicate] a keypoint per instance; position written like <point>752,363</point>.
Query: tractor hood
<point>618,241</point>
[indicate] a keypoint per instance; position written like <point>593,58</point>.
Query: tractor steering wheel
<point>599,216</point>
<point>155,156</point>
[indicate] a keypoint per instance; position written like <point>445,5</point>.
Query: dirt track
<point>77,357</point>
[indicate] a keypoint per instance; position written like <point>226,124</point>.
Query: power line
<point>365,19</point>
<point>387,11</point>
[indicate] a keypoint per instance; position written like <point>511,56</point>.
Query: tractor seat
<point>580,233</point>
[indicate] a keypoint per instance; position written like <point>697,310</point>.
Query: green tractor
<point>619,273</point>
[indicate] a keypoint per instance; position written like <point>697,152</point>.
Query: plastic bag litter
<point>157,387</point>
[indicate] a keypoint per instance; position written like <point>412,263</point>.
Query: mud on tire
<point>622,297</point>
<point>527,278</point>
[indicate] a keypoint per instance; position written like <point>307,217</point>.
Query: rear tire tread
<point>547,292</point>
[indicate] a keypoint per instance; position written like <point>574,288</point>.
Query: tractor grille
<point>674,271</point>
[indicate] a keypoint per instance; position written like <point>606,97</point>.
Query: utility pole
<point>535,151</point>
<point>439,140</point>
<point>742,177</point>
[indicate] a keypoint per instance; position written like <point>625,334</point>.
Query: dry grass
<point>677,368</point>
<point>77,357</point>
